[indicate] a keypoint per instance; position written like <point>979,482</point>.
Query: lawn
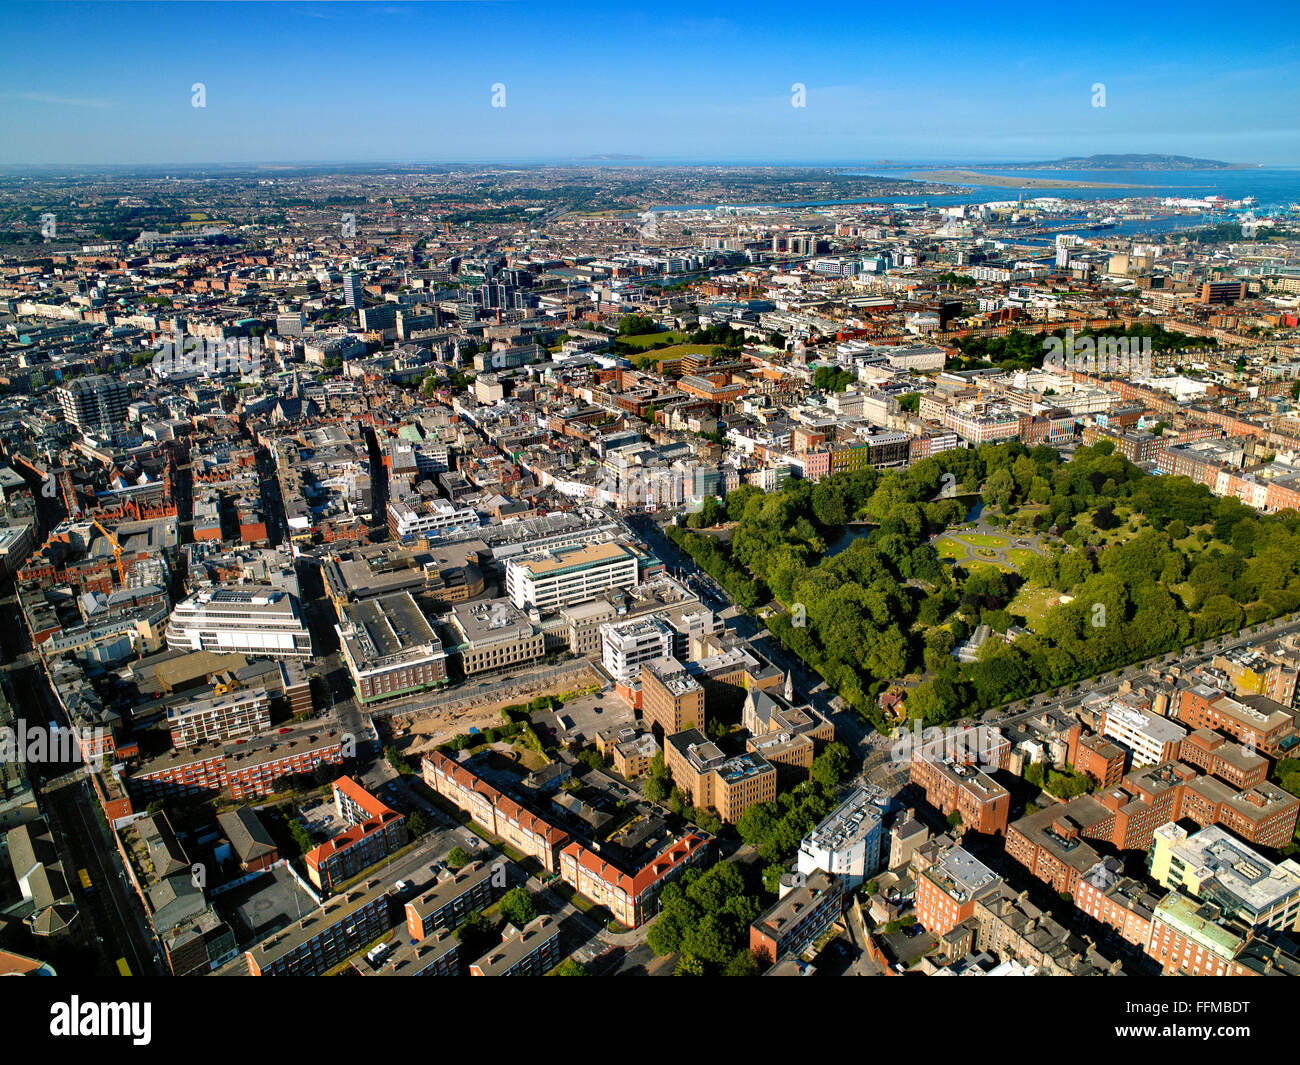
<point>946,547</point>
<point>644,340</point>
<point>1031,603</point>
<point>677,351</point>
<point>985,540</point>
<point>985,549</point>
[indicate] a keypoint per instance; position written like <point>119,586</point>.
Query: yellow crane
<point>118,552</point>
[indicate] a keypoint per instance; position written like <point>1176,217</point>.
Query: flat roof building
<point>224,716</point>
<point>952,786</point>
<point>247,768</point>
<point>729,784</point>
<point>849,842</point>
<point>569,575</point>
<point>671,698</point>
<point>490,634</point>
<point>390,648</point>
<point>1214,866</point>
<point>1150,738</point>
<point>259,621</point>
<point>947,890</point>
<point>625,645</point>
<point>796,921</point>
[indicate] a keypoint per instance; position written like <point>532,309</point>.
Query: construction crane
<point>118,552</point>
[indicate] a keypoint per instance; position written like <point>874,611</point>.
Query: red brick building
<point>1218,756</point>
<point>950,786</point>
<point>247,769</point>
<point>494,811</point>
<point>1098,758</point>
<point>1253,720</point>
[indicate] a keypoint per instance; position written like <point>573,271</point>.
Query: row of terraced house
<point>632,896</point>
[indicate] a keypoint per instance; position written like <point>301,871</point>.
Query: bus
<point>86,885</point>
<point>122,968</point>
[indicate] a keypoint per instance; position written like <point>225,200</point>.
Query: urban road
<point>111,921</point>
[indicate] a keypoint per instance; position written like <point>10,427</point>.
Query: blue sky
<point>350,80</point>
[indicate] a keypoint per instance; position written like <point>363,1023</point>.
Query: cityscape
<point>878,558</point>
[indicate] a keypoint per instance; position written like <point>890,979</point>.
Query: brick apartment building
<point>451,900</point>
<point>1250,719</point>
<point>951,786</point>
<point>494,811</point>
<point>1187,938</point>
<point>947,890</point>
<point>798,920</point>
<point>435,955</point>
<point>633,898</point>
<point>1053,843</point>
<point>729,784</point>
<point>374,832</point>
<point>326,937</point>
<point>1098,758</point>
<point>1218,756</point>
<point>671,698</point>
<point>1116,901</point>
<point>246,769</point>
<point>531,952</point>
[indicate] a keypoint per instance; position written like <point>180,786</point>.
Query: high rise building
<point>352,290</point>
<point>94,404</point>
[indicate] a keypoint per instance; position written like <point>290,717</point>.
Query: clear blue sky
<point>110,82</point>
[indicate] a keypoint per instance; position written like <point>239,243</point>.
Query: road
<point>1187,659</point>
<point>112,921</point>
<point>850,727</point>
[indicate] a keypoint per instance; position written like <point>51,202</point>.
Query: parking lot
<point>322,819</point>
<point>594,713</point>
<point>264,905</point>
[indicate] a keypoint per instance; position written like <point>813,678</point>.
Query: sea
<point>1276,189</point>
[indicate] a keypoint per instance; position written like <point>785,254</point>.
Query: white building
<point>1152,739</point>
<point>220,717</point>
<point>433,517</point>
<point>849,842</point>
<point>624,645</point>
<point>259,621</point>
<point>569,575</point>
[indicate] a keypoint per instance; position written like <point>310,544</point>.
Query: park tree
<point>517,907</point>
<point>1000,490</point>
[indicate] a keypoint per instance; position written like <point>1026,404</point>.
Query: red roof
<point>346,839</point>
<point>655,870</point>
<point>501,803</point>
<point>354,791</point>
